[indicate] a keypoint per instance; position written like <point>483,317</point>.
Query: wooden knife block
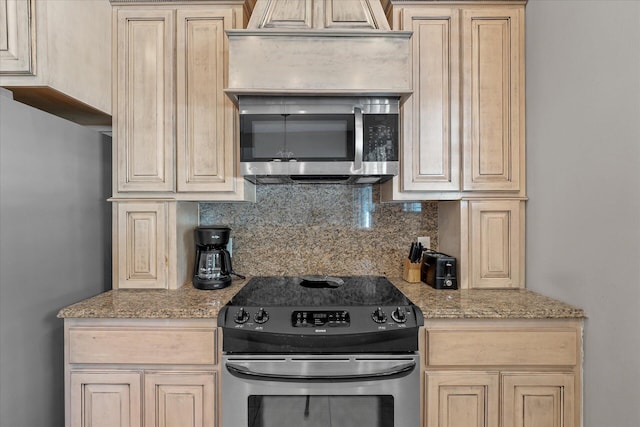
<point>411,271</point>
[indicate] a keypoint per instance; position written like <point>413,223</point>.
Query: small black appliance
<point>438,270</point>
<point>213,267</point>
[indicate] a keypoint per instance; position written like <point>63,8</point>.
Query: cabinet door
<point>493,98</point>
<point>144,86</point>
<point>105,399</point>
<point>17,41</point>
<point>205,122</point>
<point>140,251</point>
<point>462,399</point>
<point>496,244</point>
<point>430,117</point>
<point>180,399</point>
<point>538,400</point>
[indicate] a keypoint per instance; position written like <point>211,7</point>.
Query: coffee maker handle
<point>227,263</point>
<point>197,260</point>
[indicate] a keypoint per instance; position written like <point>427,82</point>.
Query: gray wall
<point>54,250</point>
<point>583,158</point>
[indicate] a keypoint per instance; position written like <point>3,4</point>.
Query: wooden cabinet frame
<point>17,37</point>
<point>487,237</point>
<point>105,398</point>
<point>144,87</point>
<point>430,117</point>
<point>153,243</point>
<point>56,56</point>
<point>456,399</point>
<point>502,372</point>
<point>175,135</point>
<point>463,128</point>
<point>492,98</point>
<point>205,120</point>
<point>121,372</point>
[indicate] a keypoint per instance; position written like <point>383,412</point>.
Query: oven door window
<point>320,411</point>
<point>300,137</point>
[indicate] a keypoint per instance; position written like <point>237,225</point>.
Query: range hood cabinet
<point>319,47</point>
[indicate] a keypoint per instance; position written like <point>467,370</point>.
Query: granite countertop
<point>190,303</point>
<point>485,303</point>
<point>186,302</point>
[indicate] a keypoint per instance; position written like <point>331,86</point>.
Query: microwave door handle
<point>394,371</point>
<point>359,138</point>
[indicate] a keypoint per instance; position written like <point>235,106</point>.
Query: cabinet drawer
<point>506,347</point>
<point>142,346</point>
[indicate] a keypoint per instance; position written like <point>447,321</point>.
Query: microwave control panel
<point>380,137</point>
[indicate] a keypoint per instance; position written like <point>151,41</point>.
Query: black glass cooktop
<point>319,291</point>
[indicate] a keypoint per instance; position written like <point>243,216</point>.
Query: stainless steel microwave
<point>318,139</point>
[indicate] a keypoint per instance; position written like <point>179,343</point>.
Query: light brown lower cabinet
<point>134,373</point>
<point>110,398</point>
<point>475,372</point>
<point>460,399</point>
<point>115,399</point>
<point>179,399</point>
<point>540,399</point>
<point>502,373</point>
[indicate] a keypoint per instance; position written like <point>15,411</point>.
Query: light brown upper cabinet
<point>492,98</point>
<point>56,56</point>
<point>205,118</point>
<point>431,147</point>
<point>487,237</point>
<point>463,126</point>
<point>144,86</point>
<point>17,37</point>
<point>174,126</point>
<point>152,246</point>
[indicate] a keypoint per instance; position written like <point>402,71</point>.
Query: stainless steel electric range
<point>320,351</point>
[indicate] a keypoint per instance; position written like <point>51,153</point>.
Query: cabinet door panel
<point>205,121</point>
<point>180,399</point>
<point>350,14</point>
<point>496,244</point>
<point>105,399</point>
<point>538,400</point>
<point>492,91</point>
<point>142,245</point>
<point>145,104</point>
<point>462,399</point>
<point>431,116</point>
<point>17,44</point>
<point>288,14</point>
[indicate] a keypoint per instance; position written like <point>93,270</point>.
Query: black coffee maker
<point>213,267</point>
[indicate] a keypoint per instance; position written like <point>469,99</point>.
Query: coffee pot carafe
<point>213,268</point>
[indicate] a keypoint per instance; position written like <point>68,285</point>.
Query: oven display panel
<point>332,318</point>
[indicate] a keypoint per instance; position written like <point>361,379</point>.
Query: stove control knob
<point>241,316</point>
<point>399,315</point>
<point>261,316</point>
<point>379,316</point>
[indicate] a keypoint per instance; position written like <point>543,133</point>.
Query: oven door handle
<point>393,372</point>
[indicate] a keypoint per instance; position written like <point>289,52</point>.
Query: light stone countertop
<point>485,303</point>
<point>190,303</point>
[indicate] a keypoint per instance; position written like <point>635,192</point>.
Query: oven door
<point>332,390</point>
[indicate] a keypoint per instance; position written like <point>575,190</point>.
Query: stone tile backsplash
<point>322,229</point>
